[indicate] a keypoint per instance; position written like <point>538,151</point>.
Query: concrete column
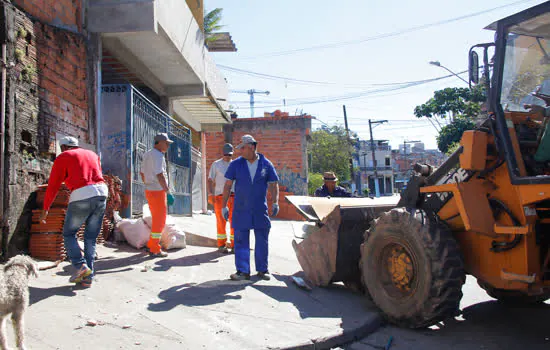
<point>204,172</point>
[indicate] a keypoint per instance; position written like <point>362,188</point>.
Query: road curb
<point>372,323</point>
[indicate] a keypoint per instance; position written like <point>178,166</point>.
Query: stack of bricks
<point>46,240</point>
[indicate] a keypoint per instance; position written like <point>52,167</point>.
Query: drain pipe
<point>3,133</point>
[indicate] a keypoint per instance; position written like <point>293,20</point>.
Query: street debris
<point>126,326</point>
<point>91,323</point>
<point>300,282</point>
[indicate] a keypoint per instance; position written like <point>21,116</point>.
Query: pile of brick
<point>46,242</point>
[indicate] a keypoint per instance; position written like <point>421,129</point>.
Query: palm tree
<point>212,24</point>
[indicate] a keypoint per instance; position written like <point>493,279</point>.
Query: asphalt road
<point>484,324</point>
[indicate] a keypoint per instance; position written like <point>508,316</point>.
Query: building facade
<point>384,167</point>
<point>68,60</point>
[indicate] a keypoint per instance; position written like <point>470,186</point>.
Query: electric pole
<point>376,185</point>
<point>352,177</point>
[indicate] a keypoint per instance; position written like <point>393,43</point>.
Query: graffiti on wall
<point>294,182</point>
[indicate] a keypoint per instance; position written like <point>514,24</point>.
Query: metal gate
<point>141,122</point>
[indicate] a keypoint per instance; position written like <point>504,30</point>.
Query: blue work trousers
<point>91,212</point>
<point>242,250</point>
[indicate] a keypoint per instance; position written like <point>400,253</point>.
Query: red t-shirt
<point>76,167</point>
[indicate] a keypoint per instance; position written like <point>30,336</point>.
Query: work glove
<point>274,209</point>
<point>170,199</point>
<point>225,213</point>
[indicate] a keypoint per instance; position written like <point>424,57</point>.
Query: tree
<point>330,150</point>
<point>452,111</point>
<point>452,133</point>
<point>315,181</point>
<point>451,103</point>
<point>212,24</point>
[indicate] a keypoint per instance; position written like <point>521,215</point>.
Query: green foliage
<point>315,181</point>
<point>19,54</point>
<point>28,73</point>
<point>455,101</point>
<point>330,150</point>
<point>452,148</point>
<point>22,32</point>
<point>452,133</point>
<point>212,24</point>
<point>366,192</point>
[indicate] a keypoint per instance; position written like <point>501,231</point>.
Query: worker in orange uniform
<point>157,192</point>
<point>216,182</point>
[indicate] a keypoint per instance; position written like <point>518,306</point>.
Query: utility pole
<point>352,177</point>
<point>376,184</point>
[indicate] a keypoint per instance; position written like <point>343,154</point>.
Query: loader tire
<point>413,271</point>
<point>512,297</point>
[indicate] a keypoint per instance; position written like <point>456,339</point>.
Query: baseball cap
<point>228,148</point>
<point>246,139</point>
<point>68,141</point>
<point>163,137</point>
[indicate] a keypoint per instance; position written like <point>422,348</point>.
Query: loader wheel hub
<point>400,268</point>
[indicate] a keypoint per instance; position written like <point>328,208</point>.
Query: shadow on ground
<point>38,294</point>
<point>207,293</point>
<point>332,302</point>
<point>488,325</point>
<point>185,261</point>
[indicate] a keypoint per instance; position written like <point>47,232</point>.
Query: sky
<point>320,55</point>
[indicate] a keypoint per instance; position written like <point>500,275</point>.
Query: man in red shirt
<point>80,169</point>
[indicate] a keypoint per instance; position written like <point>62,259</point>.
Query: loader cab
<point>519,91</point>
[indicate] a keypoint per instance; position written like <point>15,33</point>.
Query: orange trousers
<point>158,207</point>
<point>221,222</point>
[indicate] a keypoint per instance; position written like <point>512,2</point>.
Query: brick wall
<point>61,13</point>
<point>47,94</point>
<point>283,140</point>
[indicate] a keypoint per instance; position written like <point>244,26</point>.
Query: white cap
<point>68,141</point>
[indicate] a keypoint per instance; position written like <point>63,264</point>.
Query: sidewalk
<point>186,301</point>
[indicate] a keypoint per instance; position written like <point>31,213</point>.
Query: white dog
<point>14,296</point>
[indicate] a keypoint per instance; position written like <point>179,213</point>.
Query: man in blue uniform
<point>253,174</point>
<point>329,189</point>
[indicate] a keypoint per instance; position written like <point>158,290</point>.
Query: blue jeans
<point>89,211</point>
<point>242,250</point>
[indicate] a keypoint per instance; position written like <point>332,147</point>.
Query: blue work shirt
<point>338,192</point>
<point>250,205</point>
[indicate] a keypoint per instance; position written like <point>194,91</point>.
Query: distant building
<point>383,163</point>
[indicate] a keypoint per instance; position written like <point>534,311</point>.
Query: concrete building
<point>384,166</point>
<point>154,62</point>
<point>111,73</point>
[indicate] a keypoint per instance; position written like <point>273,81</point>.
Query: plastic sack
<point>171,237</point>
<point>135,232</point>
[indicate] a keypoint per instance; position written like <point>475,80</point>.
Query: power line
<point>326,99</point>
<point>385,35</point>
<point>313,82</point>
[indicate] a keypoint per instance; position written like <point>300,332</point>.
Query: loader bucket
<point>328,247</point>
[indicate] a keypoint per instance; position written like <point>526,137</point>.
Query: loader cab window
<point>525,93</point>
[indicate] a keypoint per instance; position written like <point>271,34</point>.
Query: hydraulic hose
<point>499,247</point>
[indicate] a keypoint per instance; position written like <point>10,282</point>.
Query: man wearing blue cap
<point>252,174</point>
